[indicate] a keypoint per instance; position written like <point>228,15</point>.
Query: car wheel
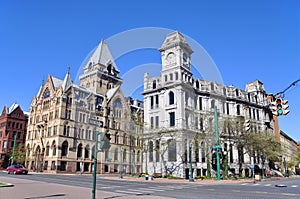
<point>15,172</point>
<point>8,172</point>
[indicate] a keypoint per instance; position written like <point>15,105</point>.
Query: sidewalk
<point>27,189</point>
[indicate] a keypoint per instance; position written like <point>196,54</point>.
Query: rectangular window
<point>156,121</point>
<point>172,118</point>
<point>151,102</point>
<point>56,114</point>
<point>157,101</point>
<point>200,103</point>
<point>65,130</point>
<point>54,130</point>
<point>49,132</point>
<point>172,150</point>
<point>19,136</point>
<point>151,122</point>
<point>4,144</point>
<point>227,107</point>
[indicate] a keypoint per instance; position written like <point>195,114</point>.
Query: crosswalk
<point>269,185</point>
<point>150,190</point>
<point>161,188</point>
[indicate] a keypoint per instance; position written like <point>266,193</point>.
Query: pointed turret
<point>67,80</point>
<point>102,56</point>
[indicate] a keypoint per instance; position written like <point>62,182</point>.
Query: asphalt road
<point>281,189</point>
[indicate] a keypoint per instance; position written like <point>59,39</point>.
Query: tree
<point>19,154</point>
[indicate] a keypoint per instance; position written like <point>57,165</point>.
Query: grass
<point>3,184</point>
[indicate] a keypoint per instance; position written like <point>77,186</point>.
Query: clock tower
<point>175,54</point>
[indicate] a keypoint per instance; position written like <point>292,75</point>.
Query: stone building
<point>13,122</point>
<point>179,108</point>
<point>64,118</point>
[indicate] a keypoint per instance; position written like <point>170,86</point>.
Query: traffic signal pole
<point>217,147</point>
<point>95,164</point>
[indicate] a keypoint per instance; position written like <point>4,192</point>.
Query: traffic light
<point>273,108</point>
<point>247,125</point>
<point>284,107</point>
<point>279,107</point>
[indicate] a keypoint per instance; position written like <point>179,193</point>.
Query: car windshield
<point>19,166</point>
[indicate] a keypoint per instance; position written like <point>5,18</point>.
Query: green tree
<point>19,154</point>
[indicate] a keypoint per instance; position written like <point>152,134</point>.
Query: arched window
<point>87,151</point>
<point>212,104</point>
<point>116,154</point>
<point>124,155</point>
<point>53,149</point>
<point>172,152</point>
<point>150,151</point>
<point>79,151</point>
<point>171,98</point>
<point>238,112</point>
<point>138,156</point>
<point>64,148</point>
<point>47,149</point>
<point>202,152</point>
<point>157,150</point>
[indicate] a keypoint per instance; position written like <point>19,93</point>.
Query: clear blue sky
<point>247,40</point>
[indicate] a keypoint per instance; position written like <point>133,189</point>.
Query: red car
<point>17,169</point>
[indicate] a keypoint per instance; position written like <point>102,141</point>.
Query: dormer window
<point>47,93</point>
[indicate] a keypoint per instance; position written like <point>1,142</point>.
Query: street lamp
<point>262,166</point>
<point>191,166</point>
<point>121,164</point>
<point>285,168</point>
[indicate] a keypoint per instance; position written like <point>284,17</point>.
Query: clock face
<point>171,58</point>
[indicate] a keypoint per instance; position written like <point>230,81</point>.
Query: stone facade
<point>179,107</point>
<point>64,118</point>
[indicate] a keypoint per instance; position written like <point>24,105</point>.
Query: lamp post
<point>262,166</point>
<point>191,166</point>
<point>285,168</point>
<point>37,161</point>
<point>217,146</point>
<point>121,164</point>
<point>96,134</point>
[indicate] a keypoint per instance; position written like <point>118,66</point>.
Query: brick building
<point>13,121</point>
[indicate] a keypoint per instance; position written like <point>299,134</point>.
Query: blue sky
<point>247,40</point>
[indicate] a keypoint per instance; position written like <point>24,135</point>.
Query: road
<point>285,188</point>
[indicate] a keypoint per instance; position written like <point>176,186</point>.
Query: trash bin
<point>146,177</point>
<point>257,177</point>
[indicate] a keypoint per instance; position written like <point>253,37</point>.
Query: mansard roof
<point>102,56</point>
